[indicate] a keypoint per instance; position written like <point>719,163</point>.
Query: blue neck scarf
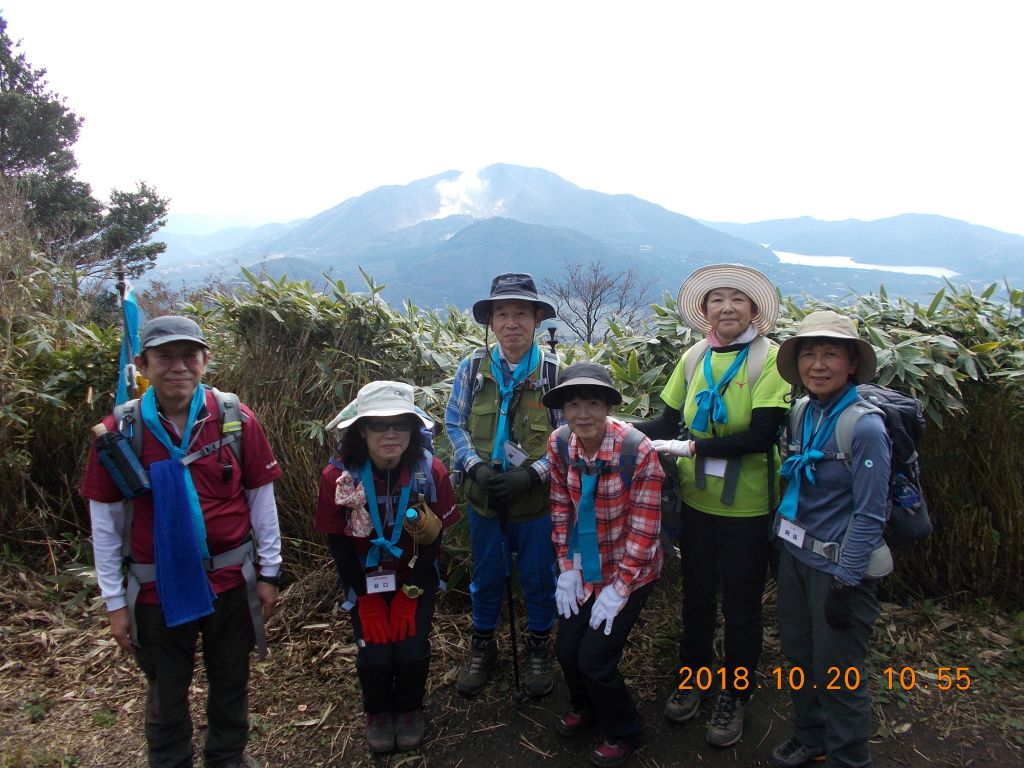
<point>811,443</point>
<point>181,580</point>
<point>506,389</point>
<point>380,542</point>
<point>152,420</point>
<point>584,533</point>
<point>710,405</point>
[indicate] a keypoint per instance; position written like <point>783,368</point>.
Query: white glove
<point>569,593</point>
<point>606,608</point>
<point>673,447</point>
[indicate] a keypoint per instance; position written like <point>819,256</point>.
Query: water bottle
<point>118,458</point>
<point>905,493</point>
<point>421,523</point>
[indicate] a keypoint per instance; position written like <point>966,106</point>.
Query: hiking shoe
<point>795,753</point>
<point>409,729</point>
<point>726,726</point>
<point>611,752</point>
<point>245,761</point>
<point>538,679</point>
<point>476,670</point>
<point>574,723</point>
<point>380,732</point>
<point>684,705</point>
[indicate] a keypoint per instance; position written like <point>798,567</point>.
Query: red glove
<point>403,616</point>
<point>373,618</point>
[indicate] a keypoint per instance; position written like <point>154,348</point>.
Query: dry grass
<point>69,697</point>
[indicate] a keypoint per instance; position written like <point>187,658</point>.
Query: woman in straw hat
<point>606,529</point>
<point>728,398</point>
<point>381,471</point>
<point>829,528</point>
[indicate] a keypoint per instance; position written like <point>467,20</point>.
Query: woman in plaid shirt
<point>606,524</point>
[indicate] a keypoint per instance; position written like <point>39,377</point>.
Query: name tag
<point>791,532</point>
<point>514,454</point>
<point>380,581</point>
<point>715,466</point>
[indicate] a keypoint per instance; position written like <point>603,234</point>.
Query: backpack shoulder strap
<point>796,416</point>
<point>628,456</point>
<point>129,412</point>
<point>562,442</point>
<point>847,421</point>
<point>549,380</point>
<point>694,355</point>
<point>229,412</point>
<point>756,358</point>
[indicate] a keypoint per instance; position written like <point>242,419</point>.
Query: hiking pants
<point>590,663</point>
<point>839,721</point>
<point>167,657</point>
<point>534,563</point>
<point>393,675</point>
<point>733,552</point>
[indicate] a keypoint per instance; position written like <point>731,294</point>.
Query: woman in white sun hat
<point>381,470</point>
<point>829,532</point>
<point>726,400</point>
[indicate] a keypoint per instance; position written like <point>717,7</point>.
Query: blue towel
<point>181,580</point>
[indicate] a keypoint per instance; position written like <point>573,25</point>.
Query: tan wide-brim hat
<point>825,324</point>
<point>380,398</point>
<point>702,281</point>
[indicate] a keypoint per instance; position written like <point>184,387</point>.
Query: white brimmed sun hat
<point>825,324</point>
<point>758,288</point>
<point>380,398</point>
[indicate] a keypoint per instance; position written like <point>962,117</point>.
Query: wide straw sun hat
<point>758,288</point>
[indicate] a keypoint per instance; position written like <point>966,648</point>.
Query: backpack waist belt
<point>244,555</point>
<point>830,550</point>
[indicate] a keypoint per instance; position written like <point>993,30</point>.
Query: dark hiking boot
<point>245,761</point>
<point>380,732</point>
<point>476,670</point>
<point>726,727</point>
<point>794,753</point>
<point>538,679</point>
<point>409,729</point>
<point>684,705</point>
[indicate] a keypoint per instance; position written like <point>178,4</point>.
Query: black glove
<point>481,474</point>
<point>507,485</point>
<point>837,605</point>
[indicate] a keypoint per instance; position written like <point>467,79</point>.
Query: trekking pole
<point>552,341</point>
<point>519,695</point>
<point>131,386</point>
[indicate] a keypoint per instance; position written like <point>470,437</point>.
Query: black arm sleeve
<point>347,562</point>
<point>662,427</point>
<point>764,428</point>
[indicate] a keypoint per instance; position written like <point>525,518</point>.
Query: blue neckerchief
<point>710,404</point>
<point>584,533</point>
<point>506,389</point>
<point>381,542</point>
<point>811,443</point>
<point>152,420</point>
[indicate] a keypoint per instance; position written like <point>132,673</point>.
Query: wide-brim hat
<point>512,286</point>
<point>825,324</point>
<point>168,328</point>
<point>758,288</point>
<point>380,398</point>
<point>580,375</point>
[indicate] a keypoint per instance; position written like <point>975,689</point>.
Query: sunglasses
<point>405,425</point>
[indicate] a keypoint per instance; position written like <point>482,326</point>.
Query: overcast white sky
<point>733,111</point>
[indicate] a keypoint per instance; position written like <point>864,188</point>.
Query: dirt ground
<point>68,697</point>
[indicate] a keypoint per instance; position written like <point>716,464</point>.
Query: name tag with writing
<point>514,454</point>
<point>380,581</point>
<point>791,532</point>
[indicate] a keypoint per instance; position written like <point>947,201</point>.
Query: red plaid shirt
<point>628,521</point>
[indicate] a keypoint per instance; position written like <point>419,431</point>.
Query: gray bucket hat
<point>512,286</point>
<point>825,324</point>
<point>580,375</point>
<point>164,330</point>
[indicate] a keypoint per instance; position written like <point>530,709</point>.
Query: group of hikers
<point>559,493</point>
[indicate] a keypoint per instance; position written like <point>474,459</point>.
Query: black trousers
<point>733,552</point>
<point>590,663</point>
<point>167,657</point>
<point>393,676</point>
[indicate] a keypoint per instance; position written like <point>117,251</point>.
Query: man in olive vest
<point>498,428</point>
